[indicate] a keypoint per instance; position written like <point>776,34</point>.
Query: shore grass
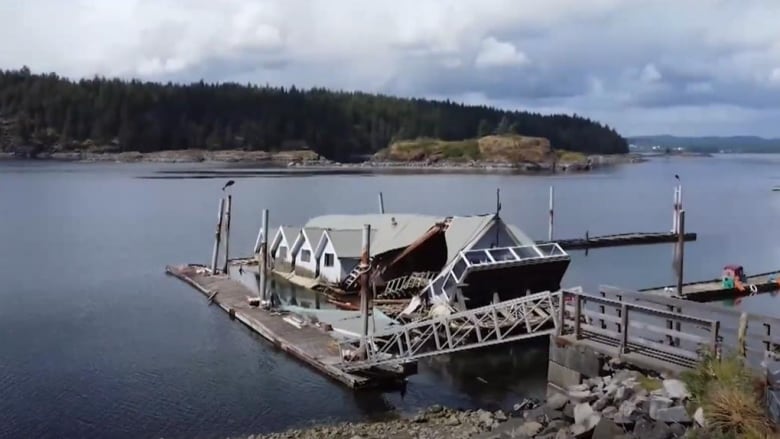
<point>508,148</point>
<point>730,396</point>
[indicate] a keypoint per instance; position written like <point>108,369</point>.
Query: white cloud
<point>494,53</point>
<point>774,76</point>
<point>605,59</point>
<point>650,74</point>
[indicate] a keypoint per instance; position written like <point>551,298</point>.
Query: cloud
<point>650,74</point>
<point>636,65</point>
<point>494,53</point>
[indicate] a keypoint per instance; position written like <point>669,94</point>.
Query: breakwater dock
<point>621,239</point>
<point>718,289</point>
<point>310,343</point>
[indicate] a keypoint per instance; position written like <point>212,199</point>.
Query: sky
<point>684,67</point>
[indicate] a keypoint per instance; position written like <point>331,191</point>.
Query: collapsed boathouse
<point>469,261</point>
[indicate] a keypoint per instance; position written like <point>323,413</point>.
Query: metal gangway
<point>517,319</point>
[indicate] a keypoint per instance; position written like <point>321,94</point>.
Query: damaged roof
<point>462,230</point>
<point>397,231</point>
<point>393,231</point>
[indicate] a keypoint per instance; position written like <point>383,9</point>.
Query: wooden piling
<point>675,211</point>
<point>265,260</point>
<point>552,215</point>
<point>364,290</point>
<point>680,252</point>
<point>228,210</point>
<point>217,235</point>
<point>381,203</point>
<point>264,240</point>
<point>262,235</point>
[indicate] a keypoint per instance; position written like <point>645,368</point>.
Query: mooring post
<point>364,290</point>
<point>679,200</point>
<point>217,236</point>
<point>228,209</point>
<point>675,211</point>
<point>381,203</point>
<point>264,261</point>
<point>680,252</point>
<point>261,235</point>
<point>552,214</point>
<point>264,241</point>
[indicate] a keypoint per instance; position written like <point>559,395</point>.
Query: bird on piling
<point>228,184</point>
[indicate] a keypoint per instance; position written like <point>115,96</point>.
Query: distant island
<point>710,144</point>
<point>47,116</point>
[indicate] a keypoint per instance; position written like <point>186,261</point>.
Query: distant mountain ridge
<point>710,143</point>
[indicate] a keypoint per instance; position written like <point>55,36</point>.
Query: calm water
<point>95,341</point>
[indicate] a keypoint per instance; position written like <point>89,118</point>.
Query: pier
<point>620,239</point>
<point>714,290</point>
<point>308,343</point>
<point>509,310</point>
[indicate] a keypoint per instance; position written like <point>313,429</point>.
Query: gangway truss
<point>503,322</point>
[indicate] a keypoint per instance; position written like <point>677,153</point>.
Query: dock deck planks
<point>309,344</point>
<point>621,239</point>
<point>712,290</point>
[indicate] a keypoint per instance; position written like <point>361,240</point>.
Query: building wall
<point>283,262</point>
<point>489,238</point>
<point>333,274</point>
<point>306,268</point>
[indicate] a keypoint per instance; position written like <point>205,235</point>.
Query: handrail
<point>624,336</point>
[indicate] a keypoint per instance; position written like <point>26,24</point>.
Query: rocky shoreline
<point>622,404</point>
<point>308,160</point>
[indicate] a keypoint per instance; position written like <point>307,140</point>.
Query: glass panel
<point>437,285</point>
<point>526,252</point>
<point>459,267</point>
<point>450,284</point>
<point>477,257</point>
<point>502,254</point>
<point>550,250</point>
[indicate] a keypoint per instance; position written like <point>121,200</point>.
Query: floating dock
<point>310,344</point>
<point>620,239</point>
<point>713,290</point>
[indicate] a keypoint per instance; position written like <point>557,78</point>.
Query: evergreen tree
<point>503,126</point>
<point>484,128</point>
<point>145,116</point>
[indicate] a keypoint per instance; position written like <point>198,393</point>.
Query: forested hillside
<point>47,112</point>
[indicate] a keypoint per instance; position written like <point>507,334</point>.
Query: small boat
<point>776,189</point>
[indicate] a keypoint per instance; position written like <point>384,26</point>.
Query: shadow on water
<point>497,376</point>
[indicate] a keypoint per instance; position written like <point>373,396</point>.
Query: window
<point>328,259</point>
<point>282,252</point>
<point>305,255</point>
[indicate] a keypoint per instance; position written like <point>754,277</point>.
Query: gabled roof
<point>392,231</point>
<point>463,230</point>
<point>288,233</point>
<point>346,243</point>
<point>311,234</point>
<point>397,231</point>
<point>522,238</point>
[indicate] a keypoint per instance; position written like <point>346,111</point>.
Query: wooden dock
<point>310,344</point>
<point>712,290</point>
<point>620,239</point>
